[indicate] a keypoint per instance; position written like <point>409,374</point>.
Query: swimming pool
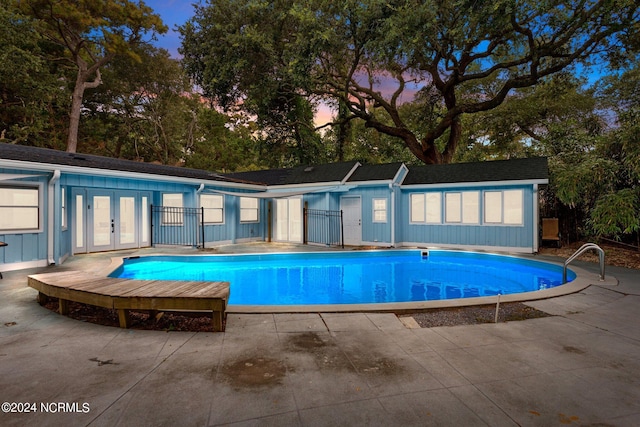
<point>359,277</point>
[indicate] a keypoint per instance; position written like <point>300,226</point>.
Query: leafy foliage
<point>451,58</point>
<point>87,34</point>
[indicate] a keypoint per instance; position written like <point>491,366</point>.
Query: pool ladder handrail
<point>583,249</point>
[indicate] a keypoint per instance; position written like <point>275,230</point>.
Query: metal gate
<point>177,226</point>
<point>323,227</point>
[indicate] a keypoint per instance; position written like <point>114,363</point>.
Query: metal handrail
<point>583,249</point>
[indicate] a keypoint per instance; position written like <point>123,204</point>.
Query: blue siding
<point>490,235</point>
<point>374,232</point>
<point>31,246</point>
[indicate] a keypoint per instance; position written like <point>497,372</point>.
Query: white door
<point>289,220</point>
<point>351,220</point>
<point>115,220</point>
<point>101,221</point>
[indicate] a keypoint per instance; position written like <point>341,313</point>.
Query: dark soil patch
<point>472,315</point>
<point>254,372</point>
<point>161,321</point>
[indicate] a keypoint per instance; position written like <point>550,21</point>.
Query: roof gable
<point>535,168</point>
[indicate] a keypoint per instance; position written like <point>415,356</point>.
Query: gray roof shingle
<point>384,172</point>
<point>497,170</point>
<point>310,174</point>
<point>55,157</point>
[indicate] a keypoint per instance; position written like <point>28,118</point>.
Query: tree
<point>453,58</point>
<point>30,94</point>
<point>91,33</point>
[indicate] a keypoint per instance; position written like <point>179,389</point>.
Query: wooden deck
<point>126,294</point>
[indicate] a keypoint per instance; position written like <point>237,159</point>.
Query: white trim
<point>377,244</point>
<point>353,169</point>
<point>51,216</point>
<point>395,177</point>
<point>36,185</point>
<point>11,176</point>
<point>23,265</point>
<point>536,219</point>
<point>269,194</point>
<point>475,184</point>
<point>516,249</point>
<point>318,185</point>
<point>374,210</point>
<point>77,170</point>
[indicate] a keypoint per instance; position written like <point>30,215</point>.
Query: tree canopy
<point>450,58</point>
<point>89,34</point>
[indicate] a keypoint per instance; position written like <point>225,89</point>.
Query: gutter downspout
<point>51,217</point>
<point>198,204</point>
<point>393,215</point>
<point>536,219</point>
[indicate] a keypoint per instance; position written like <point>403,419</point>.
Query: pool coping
<point>583,280</point>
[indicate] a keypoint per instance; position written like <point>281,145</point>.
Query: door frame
<point>82,222</point>
<point>288,221</point>
<point>358,234</point>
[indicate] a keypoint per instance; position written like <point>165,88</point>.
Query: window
<point>470,207</point>
<point>63,209</point>
<point>379,210</point>
<point>172,208</point>
<point>417,208</point>
<point>248,209</point>
<point>427,208</point>
<point>452,206</point>
<point>434,208</point>
<point>462,207</point>
<point>503,207</point>
<point>493,207</point>
<point>213,205</point>
<point>19,208</point>
<point>513,209</point>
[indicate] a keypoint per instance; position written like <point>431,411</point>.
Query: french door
<point>109,220</point>
<point>289,220</point>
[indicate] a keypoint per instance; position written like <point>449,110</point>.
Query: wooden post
<point>63,306</point>
<point>123,317</point>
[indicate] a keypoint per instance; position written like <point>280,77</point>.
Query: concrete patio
<point>580,366</point>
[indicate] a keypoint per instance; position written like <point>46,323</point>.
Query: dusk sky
<point>177,12</point>
<point>173,12</point>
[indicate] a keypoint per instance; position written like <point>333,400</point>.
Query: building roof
<point>535,168</point>
<point>62,158</point>
<point>384,172</point>
<point>309,174</point>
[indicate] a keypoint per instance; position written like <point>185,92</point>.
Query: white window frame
<point>462,207</point>
<point>249,212</point>
<point>433,210</point>
<point>379,210</point>
<point>417,213</point>
<point>213,205</point>
<point>505,201</point>
<point>493,208</point>
<point>63,208</point>
<point>429,205</point>
<point>453,208</point>
<point>39,207</point>
<point>170,218</point>
<point>506,207</point>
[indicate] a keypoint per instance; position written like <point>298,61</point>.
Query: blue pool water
<point>352,277</point>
